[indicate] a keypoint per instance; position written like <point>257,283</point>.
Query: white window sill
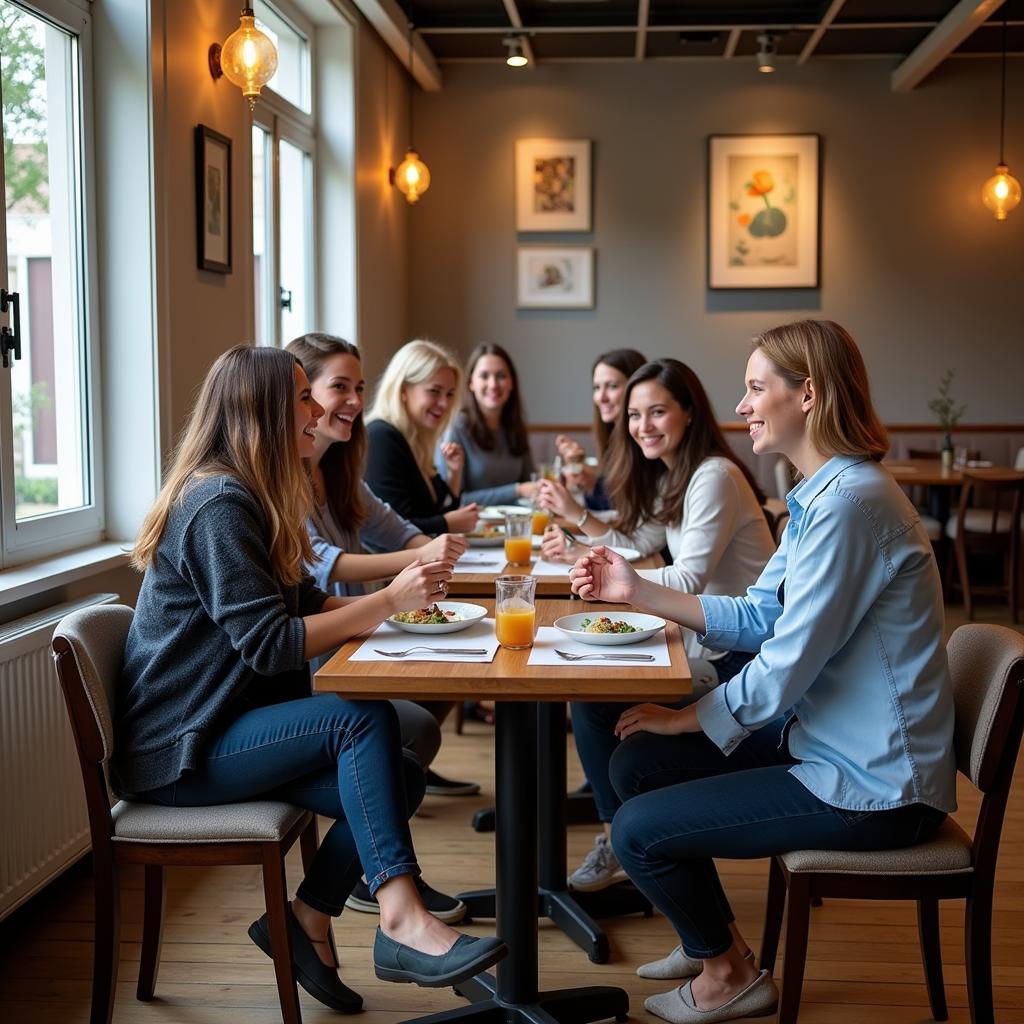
<point>23,581</point>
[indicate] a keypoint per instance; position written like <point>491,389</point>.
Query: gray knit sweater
<point>214,635</point>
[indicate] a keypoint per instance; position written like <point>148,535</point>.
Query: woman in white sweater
<point>675,483</point>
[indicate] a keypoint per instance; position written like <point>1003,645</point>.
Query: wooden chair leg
<point>460,717</point>
<point>774,906</point>
<point>978,957</point>
<point>965,581</point>
<point>275,889</point>
<point>798,912</point>
<point>309,840</point>
<point>931,955</point>
<point>107,943</point>
<point>155,894</point>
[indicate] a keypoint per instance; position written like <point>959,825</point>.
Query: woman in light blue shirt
<point>838,735</point>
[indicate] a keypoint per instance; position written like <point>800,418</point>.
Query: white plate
<point>629,554</point>
<point>497,513</point>
<point>647,626</point>
<point>485,542</point>
<point>471,613</point>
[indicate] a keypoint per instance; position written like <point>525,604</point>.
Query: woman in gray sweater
<point>213,704</point>
<point>491,431</point>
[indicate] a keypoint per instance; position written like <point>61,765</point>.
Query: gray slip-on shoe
<point>392,961</point>
<point>759,999</point>
<point>676,965</point>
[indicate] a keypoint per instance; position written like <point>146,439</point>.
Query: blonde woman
<point>213,704</point>
<point>415,401</point>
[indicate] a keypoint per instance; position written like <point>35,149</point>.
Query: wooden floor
<point>862,968</point>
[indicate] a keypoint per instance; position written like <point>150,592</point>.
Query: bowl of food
<point>487,535</point>
<point>440,617</point>
<point>609,630</point>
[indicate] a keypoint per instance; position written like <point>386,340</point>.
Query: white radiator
<point>44,826</point>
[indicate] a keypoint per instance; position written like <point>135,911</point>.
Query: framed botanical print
<point>213,200</point>
<point>555,277</point>
<point>763,211</point>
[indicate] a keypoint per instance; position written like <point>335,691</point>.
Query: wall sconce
<point>516,58</point>
<point>412,176</point>
<point>248,58</point>
<point>766,51</point>
<point>1001,193</point>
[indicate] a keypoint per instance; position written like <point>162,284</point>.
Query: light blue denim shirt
<point>847,620</point>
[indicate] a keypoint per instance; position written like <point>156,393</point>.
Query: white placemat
<point>548,638</point>
<point>544,568</point>
<point>388,637</point>
<point>481,561</point>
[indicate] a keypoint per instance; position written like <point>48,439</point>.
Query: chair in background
<point>987,666</point>
<point>780,527</point>
<point>994,528</point>
<point>88,648</point>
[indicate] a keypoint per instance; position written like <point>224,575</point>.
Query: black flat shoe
<point>319,980</point>
<point>393,961</point>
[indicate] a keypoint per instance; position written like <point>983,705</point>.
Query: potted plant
<point>948,413</point>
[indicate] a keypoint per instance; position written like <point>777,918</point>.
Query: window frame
<point>59,531</point>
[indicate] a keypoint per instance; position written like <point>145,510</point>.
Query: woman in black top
<point>213,704</point>
<point>415,400</point>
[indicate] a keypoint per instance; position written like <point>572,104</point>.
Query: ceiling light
<point>412,176</point>
<point>766,51</point>
<point>248,57</point>
<point>1001,193</point>
<point>516,58</point>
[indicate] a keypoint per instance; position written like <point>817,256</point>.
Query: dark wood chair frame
<point>1008,543</point>
<point>994,780</point>
<point>109,856</point>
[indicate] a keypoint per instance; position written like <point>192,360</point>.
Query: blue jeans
<point>686,803</point>
<point>593,725</point>
<point>339,758</point>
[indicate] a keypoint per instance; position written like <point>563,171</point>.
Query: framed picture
<point>213,200</point>
<point>552,184</point>
<point>763,211</point>
<point>556,278</point>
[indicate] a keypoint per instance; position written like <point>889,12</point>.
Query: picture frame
<point>213,200</point>
<point>555,277</point>
<point>763,211</point>
<point>552,184</point>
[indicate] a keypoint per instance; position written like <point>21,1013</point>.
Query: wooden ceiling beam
<point>391,22</point>
<point>811,45</point>
<point>954,28</point>
<point>643,16</point>
<point>732,42</point>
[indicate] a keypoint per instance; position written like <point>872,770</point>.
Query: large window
<point>49,482</point>
<point>283,157</point>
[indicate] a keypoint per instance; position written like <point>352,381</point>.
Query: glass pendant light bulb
<point>412,177</point>
<point>1001,193</point>
<point>248,57</point>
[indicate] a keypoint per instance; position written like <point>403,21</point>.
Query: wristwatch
<point>581,522</point>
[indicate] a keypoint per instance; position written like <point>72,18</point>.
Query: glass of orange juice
<point>518,538</point>
<point>541,519</point>
<point>515,611</point>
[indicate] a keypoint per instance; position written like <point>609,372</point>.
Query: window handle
<point>285,295</point>
<point>10,340</point>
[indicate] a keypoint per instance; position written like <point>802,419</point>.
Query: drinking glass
<point>518,537</point>
<point>515,615</point>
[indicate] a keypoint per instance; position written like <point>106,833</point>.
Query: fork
<point>433,650</point>
<point>604,657</point>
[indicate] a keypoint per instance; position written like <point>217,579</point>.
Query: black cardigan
<point>392,474</point>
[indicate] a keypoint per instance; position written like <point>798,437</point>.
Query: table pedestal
<point>573,912</point>
<point>512,997</point>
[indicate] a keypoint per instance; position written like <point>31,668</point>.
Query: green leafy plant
<point>947,412</point>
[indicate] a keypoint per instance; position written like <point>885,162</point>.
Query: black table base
<point>572,911</point>
<point>512,997</point>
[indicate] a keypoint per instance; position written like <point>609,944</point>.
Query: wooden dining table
<point>519,690</point>
<point>933,474</point>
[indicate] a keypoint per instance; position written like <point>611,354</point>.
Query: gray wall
<point>911,263</point>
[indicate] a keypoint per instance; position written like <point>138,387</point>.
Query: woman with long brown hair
<point>610,373</point>
<point>838,735</point>
<point>674,482</point>
<point>491,431</point>
<point>213,703</point>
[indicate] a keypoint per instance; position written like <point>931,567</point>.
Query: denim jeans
<point>593,725</point>
<point>339,758</point>
<point>686,803</point>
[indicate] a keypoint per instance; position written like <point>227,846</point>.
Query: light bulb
<point>516,57</point>
<point>1001,193</point>
<point>412,177</point>
<point>248,57</point>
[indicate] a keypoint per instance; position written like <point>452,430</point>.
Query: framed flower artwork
<point>551,277</point>
<point>552,184</point>
<point>763,211</point>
